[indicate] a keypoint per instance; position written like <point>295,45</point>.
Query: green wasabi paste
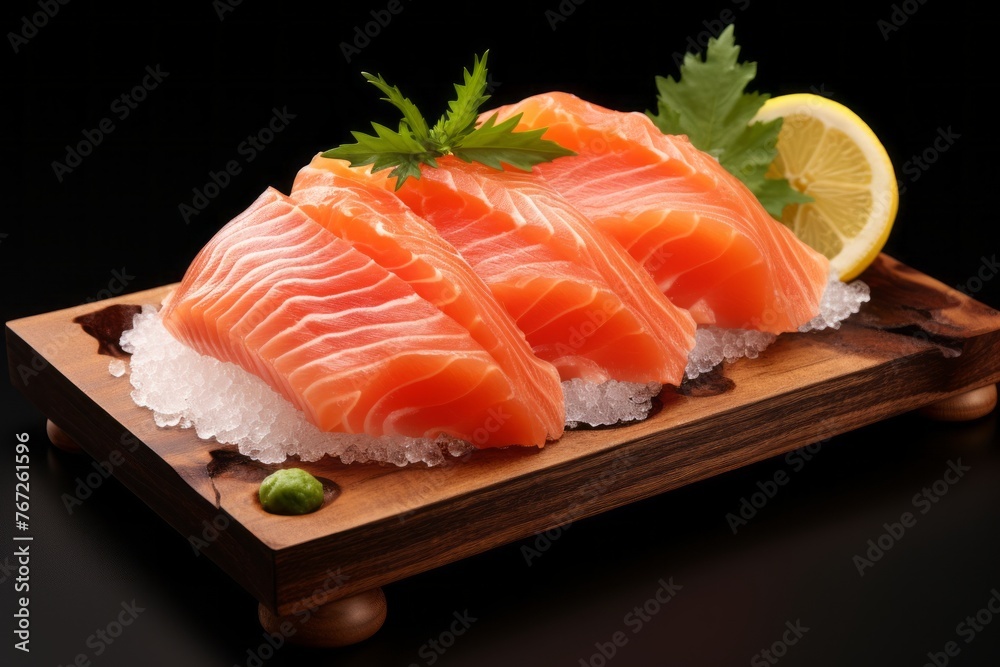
<point>291,491</point>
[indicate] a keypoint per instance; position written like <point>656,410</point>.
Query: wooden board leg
<point>964,407</point>
<point>60,439</point>
<point>338,623</point>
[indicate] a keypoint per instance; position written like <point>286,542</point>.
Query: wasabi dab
<point>291,491</point>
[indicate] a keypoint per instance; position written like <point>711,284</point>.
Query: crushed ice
<point>222,401</point>
<point>713,345</point>
<point>840,301</point>
<point>610,402</point>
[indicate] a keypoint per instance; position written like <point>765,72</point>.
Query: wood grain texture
<point>338,623</point>
<point>964,407</point>
<point>917,342</point>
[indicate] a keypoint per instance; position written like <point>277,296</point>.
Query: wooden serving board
<point>915,343</point>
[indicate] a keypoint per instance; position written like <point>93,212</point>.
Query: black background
<point>63,242</point>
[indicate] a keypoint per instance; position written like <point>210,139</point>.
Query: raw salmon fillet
<point>709,244</point>
<point>348,342</point>
<point>376,223</point>
<point>582,302</point>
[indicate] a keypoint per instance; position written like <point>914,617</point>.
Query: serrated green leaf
<point>776,193</point>
<point>411,115</point>
<point>454,133</point>
<point>386,149</point>
<point>495,145</point>
<point>708,103</point>
<point>750,153</point>
<point>369,149</point>
<point>463,111</point>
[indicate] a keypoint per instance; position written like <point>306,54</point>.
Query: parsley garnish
<point>709,105</point>
<point>455,133</point>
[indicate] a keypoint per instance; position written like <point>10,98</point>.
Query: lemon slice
<point>826,151</point>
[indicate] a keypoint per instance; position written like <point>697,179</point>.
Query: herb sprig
<point>416,143</point>
<point>708,103</point>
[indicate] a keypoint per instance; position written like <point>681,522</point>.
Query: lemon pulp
<point>827,152</point>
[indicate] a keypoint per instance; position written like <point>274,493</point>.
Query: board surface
<point>915,343</point>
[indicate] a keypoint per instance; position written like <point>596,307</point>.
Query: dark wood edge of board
<point>436,535</point>
<point>102,437</point>
<point>378,553</point>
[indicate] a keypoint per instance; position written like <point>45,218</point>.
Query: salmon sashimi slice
<point>582,302</point>
<point>709,244</point>
<point>378,224</point>
<point>348,342</point>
